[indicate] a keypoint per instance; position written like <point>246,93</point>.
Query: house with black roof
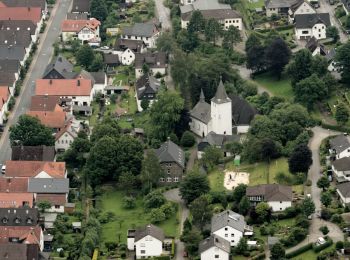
<point>60,68</point>
<point>81,6</point>
<point>146,32</point>
<point>339,146</point>
<point>147,88</point>
<point>172,160</point>
<point>311,25</point>
<point>17,53</point>
<point>341,169</point>
<point>21,26</point>
<point>316,47</point>
<point>343,191</point>
<point>126,50</point>
<point>156,62</point>
<point>23,216</point>
<point>33,153</point>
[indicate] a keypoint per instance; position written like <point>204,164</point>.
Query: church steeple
<point>221,95</point>
<point>201,96</point>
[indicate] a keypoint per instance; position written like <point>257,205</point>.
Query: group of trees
<point>88,59</point>
<point>272,55</point>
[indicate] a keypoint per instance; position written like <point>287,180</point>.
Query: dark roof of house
<point>228,218</point>
<point>309,20</point>
<point>99,77</point>
<point>149,230</point>
<point>217,14</point>
<point>123,44</point>
<point>81,6</point>
<point>14,251</point>
<point>21,38</point>
<point>62,66</point>
<point>7,78</point>
<point>140,29</point>
<point>171,152</point>
<point>298,3</point>
<point>344,189</point>
<point>346,4</point>
<point>48,185</point>
<point>9,65</point>
<point>202,110</point>
<point>33,153</point>
<point>153,60</point>
<point>339,143</point>
<point>25,3</point>
<point>313,43</point>
<point>77,16</point>
<point>217,140</point>
<point>24,216</point>
<point>214,241</point>
<point>18,25</point>
<point>12,53</point>
<point>147,84</point>
<point>342,164</point>
<point>220,95</point>
<point>271,192</point>
<point>331,54</point>
<point>242,112</point>
<point>109,58</point>
<point>279,3</point>
<point>44,103</point>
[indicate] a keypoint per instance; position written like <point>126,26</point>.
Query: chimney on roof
<point>78,83</point>
<point>50,82</point>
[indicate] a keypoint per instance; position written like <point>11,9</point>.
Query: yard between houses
<point>311,255</point>
<point>280,88</point>
<point>112,201</point>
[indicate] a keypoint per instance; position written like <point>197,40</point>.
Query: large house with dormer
<point>311,25</point>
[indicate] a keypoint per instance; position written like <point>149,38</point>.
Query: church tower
<point>221,112</point>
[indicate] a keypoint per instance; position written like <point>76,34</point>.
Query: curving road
<point>163,14</point>
<point>36,70</point>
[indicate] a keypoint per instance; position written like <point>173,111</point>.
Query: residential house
<point>28,4</point>
<point>110,61</point>
<point>35,169</point>
<point>172,160</point>
<point>22,26</point>
<point>147,88</point>
<point>315,47</point>
<point>214,247</point>
<point>33,153</point>
<point>55,120</point>
<point>13,185</point>
<point>279,7</point>
<point>20,251</point>
<point>346,6</point>
<point>126,50</point>
<point>16,200</point>
<point>311,25</point>
<point>156,63</point>
<point>22,14</point>
<point>340,146</point>
<point>8,81</point>
<point>65,137</point>
<point>4,100</point>
<point>77,16</point>
<point>218,141</point>
<point>300,7</point>
<point>52,190</point>
<point>146,32</point>
<point>17,53</point>
<point>22,235</point>
<point>341,169</point>
<point>212,9</point>
<point>229,226</point>
<point>224,115</point>
<point>16,38</point>
<point>81,6</point>
<point>50,103</point>
<point>343,190</point>
<point>23,216</point>
<point>87,31</point>
<point>278,197</point>
<point>60,68</point>
<point>99,80</point>
<point>146,242</point>
<point>79,91</point>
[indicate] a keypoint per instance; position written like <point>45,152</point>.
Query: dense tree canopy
<point>300,159</point>
<point>277,55</point>
<point>343,62</point>
<point>193,186</point>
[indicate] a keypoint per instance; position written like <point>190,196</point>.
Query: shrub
<point>111,245</point>
<point>11,103</point>
<point>129,202</point>
<point>339,245</point>
<point>319,248</point>
<point>324,230</point>
<point>187,139</point>
<point>157,216</point>
<point>326,214</point>
<point>299,251</point>
<point>336,218</point>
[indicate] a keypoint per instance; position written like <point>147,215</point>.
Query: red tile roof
<point>44,103</point>
<point>14,185</point>
<point>15,200</point>
<point>21,13</point>
<point>33,168</point>
<point>54,199</point>
<point>63,87</point>
<point>77,25</point>
<point>27,235</point>
<point>52,119</point>
<point>4,96</point>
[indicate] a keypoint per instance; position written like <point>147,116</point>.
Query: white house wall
<point>198,127</point>
<point>279,205</point>
<point>214,253</point>
<point>231,235</point>
<point>148,247</point>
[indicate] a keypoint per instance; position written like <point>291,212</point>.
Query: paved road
<point>174,195</point>
<point>40,60</point>
<point>327,8</point>
<point>163,14</point>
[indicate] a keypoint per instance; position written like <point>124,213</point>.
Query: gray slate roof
<point>202,110</point>
<point>153,60</point>
<point>123,44</point>
<point>150,230</point>
<point>7,78</point>
<point>242,112</point>
<point>48,185</point>
<point>14,250</point>
<point>21,38</point>
<point>25,216</point>
<point>99,77</point>
<point>217,140</point>
<point>339,143</point>
<point>171,152</point>
<point>214,241</point>
<point>342,164</point>
<point>81,6</point>
<point>309,20</point>
<point>9,65</point>
<point>279,3</point>
<point>214,14</point>
<point>313,43</point>
<point>147,84</point>
<point>110,59</point>
<point>77,16</point>
<point>140,29</point>
<point>33,153</point>
<point>228,218</point>
<point>344,189</point>
<point>12,53</point>
<point>271,192</point>
<point>62,66</point>
<point>220,95</point>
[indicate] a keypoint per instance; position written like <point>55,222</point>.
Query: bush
<point>187,139</point>
<point>336,218</point>
<point>11,103</point>
<point>319,248</point>
<point>326,214</point>
<point>129,202</point>
<point>157,216</point>
<point>324,230</point>
<point>339,245</point>
<point>299,251</point>
<point>111,245</point>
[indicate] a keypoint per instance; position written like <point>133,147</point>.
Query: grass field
<point>252,4</point>
<point>281,88</point>
<point>112,200</point>
<point>311,255</point>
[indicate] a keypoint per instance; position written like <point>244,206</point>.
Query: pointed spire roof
<point>221,95</point>
<point>202,97</point>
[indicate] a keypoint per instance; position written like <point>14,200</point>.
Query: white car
<point>104,48</point>
<point>320,241</point>
<point>3,169</point>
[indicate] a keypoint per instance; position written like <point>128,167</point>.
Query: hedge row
<point>335,127</point>
<point>319,248</point>
<point>299,251</point>
<point>261,256</point>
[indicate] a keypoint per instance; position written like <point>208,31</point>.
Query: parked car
<point>320,241</point>
<point>104,48</point>
<point>346,230</point>
<point>3,169</point>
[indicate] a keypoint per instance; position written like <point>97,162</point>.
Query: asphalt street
<point>40,60</point>
<point>163,14</point>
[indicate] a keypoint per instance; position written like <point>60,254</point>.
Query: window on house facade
<point>168,179</point>
<point>226,235</point>
<point>143,251</point>
<point>176,179</point>
<point>168,171</point>
<point>226,228</point>
<point>161,179</point>
<point>216,256</point>
<point>57,206</point>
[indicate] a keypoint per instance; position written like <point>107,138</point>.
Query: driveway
<point>36,70</point>
<point>163,14</point>
<point>174,195</point>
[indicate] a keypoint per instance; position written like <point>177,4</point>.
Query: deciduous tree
<point>231,36</point>
<point>326,198</point>
<point>342,59</point>
<point>201,211</point>
<point>307,207</point>
<point>278,252</point>
<point>85,56</point>
<point>323,183</point>
<point>213,30</point>
<point>193,186</point>
<point>342,114</point>
<point>277,56</point>
<point>300,159</point>
<point>151,170</point>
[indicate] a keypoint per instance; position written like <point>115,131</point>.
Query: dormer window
<point>17,220</point>
<point>5,220</point>
<point>29,221</point>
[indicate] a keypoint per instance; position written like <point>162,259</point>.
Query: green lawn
<point>311,255</point>
<point>252,4</point>
<point>216,180</point>
<point>281,88</point>
<point>112,200</point>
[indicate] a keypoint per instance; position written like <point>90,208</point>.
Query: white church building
<point>221,115</point>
